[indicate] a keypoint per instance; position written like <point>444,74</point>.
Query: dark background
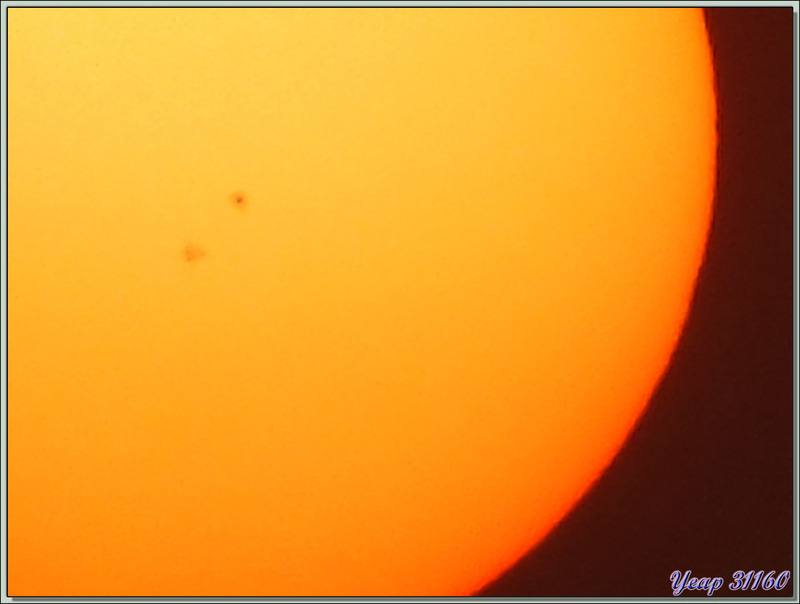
<point>705,482</point>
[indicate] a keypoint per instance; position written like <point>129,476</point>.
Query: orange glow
<point>336,302</point>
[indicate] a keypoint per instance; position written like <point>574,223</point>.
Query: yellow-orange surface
<point>336,302</point>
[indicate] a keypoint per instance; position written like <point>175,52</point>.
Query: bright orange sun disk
<point>341,302</point>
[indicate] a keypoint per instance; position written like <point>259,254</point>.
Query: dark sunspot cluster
<point>192,252</point>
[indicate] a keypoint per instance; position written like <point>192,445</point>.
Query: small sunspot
<point>193,253</point>
<point>239,199</point>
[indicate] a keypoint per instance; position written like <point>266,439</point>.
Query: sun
<point>336,302</point>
